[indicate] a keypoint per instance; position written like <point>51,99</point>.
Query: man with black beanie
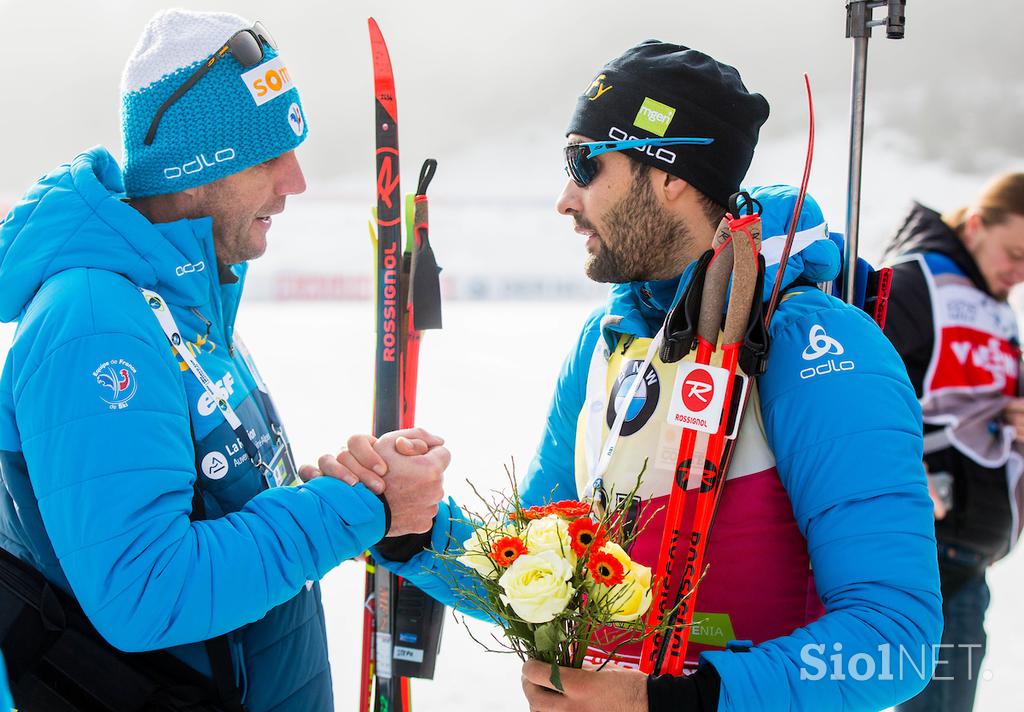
<point>822,560</point>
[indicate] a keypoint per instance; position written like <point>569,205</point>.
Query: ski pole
<point>859,22</point>
<point>418,618</point>
<point>714,269</point>
<point>696,460</point>
<point>773,302</point>
<point>720,452</point>
<point>421,290</point>
<point>704,519</point>
<point>744,242</point>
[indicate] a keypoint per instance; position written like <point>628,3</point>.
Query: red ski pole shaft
<point>746,241</point>
<point>797,209</point>
<point>410,367</point>
<point>712,300</point>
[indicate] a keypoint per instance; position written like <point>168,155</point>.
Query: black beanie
<point>658,89</point>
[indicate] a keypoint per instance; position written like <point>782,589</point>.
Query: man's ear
<point>673,187</point>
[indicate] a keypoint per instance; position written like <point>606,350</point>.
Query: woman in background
<point>950,321</point>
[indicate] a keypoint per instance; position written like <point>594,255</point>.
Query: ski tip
<point>376,36</point>
<point>383,77</point>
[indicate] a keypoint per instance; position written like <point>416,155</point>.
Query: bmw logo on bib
<point>644,403</point>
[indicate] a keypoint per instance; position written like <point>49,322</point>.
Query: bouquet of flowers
<point>552,575</point>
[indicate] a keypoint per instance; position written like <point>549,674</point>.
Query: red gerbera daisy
<point>569,508</point>
<point>584,533</point>
<point>606,569</point>
<point>507,549</point>
<point>533,513</point>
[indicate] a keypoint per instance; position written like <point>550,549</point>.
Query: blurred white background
<point>487,88</point>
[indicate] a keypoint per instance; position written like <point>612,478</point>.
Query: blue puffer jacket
<point>6,703</point>
<point>848,451</point>
<point>103,432</point>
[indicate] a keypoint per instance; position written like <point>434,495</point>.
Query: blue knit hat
<point>231,119</point>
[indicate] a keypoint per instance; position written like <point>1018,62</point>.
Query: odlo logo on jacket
<point>821,344</point>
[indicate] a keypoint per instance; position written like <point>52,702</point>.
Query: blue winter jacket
<point>848,451</point>
<point>6,703</point>
<point>103,432</point>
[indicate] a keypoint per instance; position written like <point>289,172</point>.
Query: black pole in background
<point>859,21</point>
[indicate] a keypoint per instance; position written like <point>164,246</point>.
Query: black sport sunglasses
<point>579,157</point>
<point>246,46</point>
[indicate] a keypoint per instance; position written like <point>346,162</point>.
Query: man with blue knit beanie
<point>234,116</point>
<point>146,474</point>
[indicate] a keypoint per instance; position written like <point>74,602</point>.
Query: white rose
<point>550,533</point>
<point>477,553</point>
<point>537,586</point>
<point>629,600</point>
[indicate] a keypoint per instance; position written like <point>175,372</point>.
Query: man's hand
<point>359,462</point>
<point>1014,415</point>
<point>415,482</point>
<point>610,690</point>
<point>413,461</point>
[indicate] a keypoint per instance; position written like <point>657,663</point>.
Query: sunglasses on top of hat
<point>579,157</point>
<point>246,46</point>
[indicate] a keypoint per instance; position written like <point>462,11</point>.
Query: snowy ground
<point>485,384</point>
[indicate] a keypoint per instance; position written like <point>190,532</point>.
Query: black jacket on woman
<point>962,352</point>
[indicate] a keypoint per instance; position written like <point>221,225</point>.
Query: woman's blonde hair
<point>1002,197</point>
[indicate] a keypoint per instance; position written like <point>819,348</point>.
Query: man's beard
<point>640,240</point>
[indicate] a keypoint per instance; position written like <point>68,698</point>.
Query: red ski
<point>401,625</point>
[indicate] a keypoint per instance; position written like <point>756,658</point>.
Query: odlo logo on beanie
<point>199,163</point>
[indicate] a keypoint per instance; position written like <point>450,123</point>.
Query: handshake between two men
<point>412,462</point>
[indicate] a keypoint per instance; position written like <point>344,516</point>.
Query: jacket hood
<point>75,216</point>
<point>924,231</point>
<point>639,308</point>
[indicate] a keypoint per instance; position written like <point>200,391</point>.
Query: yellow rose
<point>537,586</point>
<point>629,600</point>
<point>550,533</point>
<point>477,552</point>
